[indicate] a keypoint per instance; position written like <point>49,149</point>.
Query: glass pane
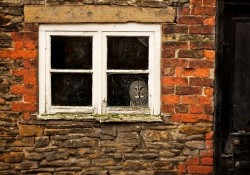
<point>71,52</point>
<point>71,89</point>
<point>127,89</point>
<point>128,53</point>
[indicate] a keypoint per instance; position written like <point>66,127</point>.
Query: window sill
<point>104,118</point>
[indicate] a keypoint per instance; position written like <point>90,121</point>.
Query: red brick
<point>30,78</point>
<point>168,81</point>
<point>181,169</point>
<point>208,109</point>
<point>30,45</point>
<point>202,45</point>
<point>200,169</point>
<point>196,2</point>
<point>30,64</point>
<point>196,72</point>
<point>187,90</point>
<point>209,54</point>
<point>168,53</point>
<point>183,11</point>
<point>209,144</point>
<point>207,161</point>
<point>168,71</point>
<point>208,92</point>
<point>206,82</point>
<point>176,117</point>
<point>201,29</point>
<point>207,153</point>
<point>193,118</point>
<point>18,45</point>
<point>175,45</point>
<point>21,89</point>
<point>201,64</point>
<point>198,10</point>
<point>181,109</point>
<point>174,62</point>
<point>178,71</point>
<point>190,54</point>
<point>209,2</point>
<point>209,136</point>
<point>190,20</point>
<point>204,100</point>
<point>167,90</point>
<point>23,107</point>
<point>170,99</point>
<point>26,116</point>
<point>24,36</point>
<point>196,109</point>
<point>31,27</point>
<point>25,54</point>
<point>169,29</point>
<point>189,118</point>
<point>30,98</point>
<point>4,53</point>
<point>189,100</point>
<point>209,21</point>
<point>193,161</point>
<point>167,108</point>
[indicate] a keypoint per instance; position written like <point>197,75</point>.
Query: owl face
<point>138,90</point>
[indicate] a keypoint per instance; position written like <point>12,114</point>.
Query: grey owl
<point>138,92</point>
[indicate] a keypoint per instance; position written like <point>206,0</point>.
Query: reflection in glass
<point>71,52</point>
<point>128,53</point>
<point>128,90</point>
<point>71,89</point>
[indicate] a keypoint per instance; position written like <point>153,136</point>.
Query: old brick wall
<point>182,144</point>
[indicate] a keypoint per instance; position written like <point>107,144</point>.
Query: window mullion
<point>104,72</point>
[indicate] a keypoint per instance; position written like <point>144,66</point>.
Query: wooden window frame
<point>99,33</point>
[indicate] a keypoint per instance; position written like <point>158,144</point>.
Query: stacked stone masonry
<point>181,144</point>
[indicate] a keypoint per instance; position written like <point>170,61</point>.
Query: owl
<point>138,92</point>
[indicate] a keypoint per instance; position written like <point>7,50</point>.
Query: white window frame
<point>99,32</point>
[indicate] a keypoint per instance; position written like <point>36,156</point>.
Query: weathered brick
<point>198,10</point>
<point>201,29</point>
<point>30,130</point>
<point>190,20</point>
<point>168,29</point>
<point>190,54</point>
<point>206,82</point>
<point>167,89</point>
<point>168,81</point>
<point>187,90</point>
<point>196,109</point>
<point>13,157</point>
<point>200,169</point>
<point>170,99</point>
<point>202,45</point>
<point>181,108</point>
<point>175,45</point>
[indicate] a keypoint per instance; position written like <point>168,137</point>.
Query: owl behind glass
<point>138,92</point>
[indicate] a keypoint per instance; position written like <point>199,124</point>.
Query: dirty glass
<point>127,90</point>
<point>71,52</point>
<point>71,89</point>
<point>127,52</point>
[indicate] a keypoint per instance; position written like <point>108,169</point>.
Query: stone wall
<point>181,144</point>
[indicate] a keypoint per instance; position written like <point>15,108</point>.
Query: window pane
<point>128,53</point>
<point>127,89</point>
<point>71,52</point>
<point>71,89</point>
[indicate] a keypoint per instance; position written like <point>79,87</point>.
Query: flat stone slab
<point>96,14</point>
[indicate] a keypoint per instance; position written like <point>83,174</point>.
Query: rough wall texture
<point>181,145</point>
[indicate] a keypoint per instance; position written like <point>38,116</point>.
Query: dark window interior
<point>71,89</point>
<point>128,53</point>
<point>71,52</point>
